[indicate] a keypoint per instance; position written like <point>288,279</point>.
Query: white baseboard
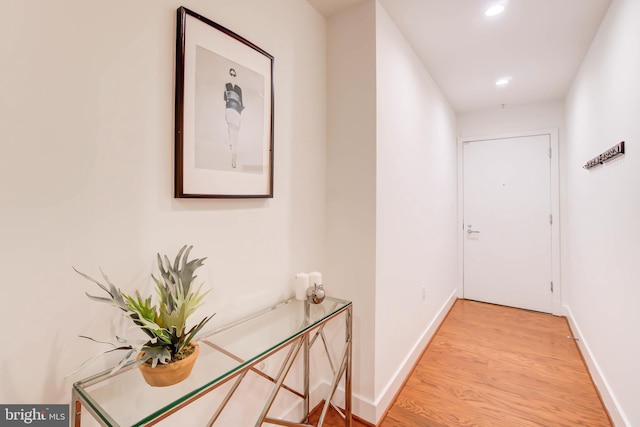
<point>361,407</point>
<point>389,392</point>
<point>608,398</point>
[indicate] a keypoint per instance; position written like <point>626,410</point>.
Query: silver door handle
<point>472,231</point>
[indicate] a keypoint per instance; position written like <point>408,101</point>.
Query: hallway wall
<point>601,231</point>
<point>512,118</point>
<point>416,206</point>
<point>351,184</point>
<point>87,170</point>
<point>391,200</point>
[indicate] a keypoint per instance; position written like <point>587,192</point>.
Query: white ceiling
<point>538,43</point>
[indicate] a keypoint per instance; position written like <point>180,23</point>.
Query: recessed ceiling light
<point>494,10</point>
<point>503,81</point>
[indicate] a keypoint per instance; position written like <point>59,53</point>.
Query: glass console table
<point>228,354</point>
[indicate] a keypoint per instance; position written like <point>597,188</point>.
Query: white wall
<point>416,207</point>
<point>601,236</point>
<point>391,199</point>
<point>512,118</point>
<point>351,184</point>
<point>87,170</point>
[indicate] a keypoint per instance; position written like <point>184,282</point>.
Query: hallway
<point>490,365</point>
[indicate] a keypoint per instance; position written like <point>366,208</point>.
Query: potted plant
<point>168,355</point>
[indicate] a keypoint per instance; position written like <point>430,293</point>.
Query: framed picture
<point>223,113</point>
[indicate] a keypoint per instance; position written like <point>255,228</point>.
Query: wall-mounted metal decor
<point>224,113</point>
<point>611,153</point>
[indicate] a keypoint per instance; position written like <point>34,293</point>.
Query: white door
<point>507,222</point>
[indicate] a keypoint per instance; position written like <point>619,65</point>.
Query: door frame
<point>555,209</point>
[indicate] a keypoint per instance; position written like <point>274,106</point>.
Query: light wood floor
<point>497,366</point>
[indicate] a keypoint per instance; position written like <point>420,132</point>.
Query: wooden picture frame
<point>223,112</point>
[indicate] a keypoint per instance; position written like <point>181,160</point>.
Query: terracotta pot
<point>172,373</point>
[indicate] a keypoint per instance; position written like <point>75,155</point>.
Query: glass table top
<point>125,399</point>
